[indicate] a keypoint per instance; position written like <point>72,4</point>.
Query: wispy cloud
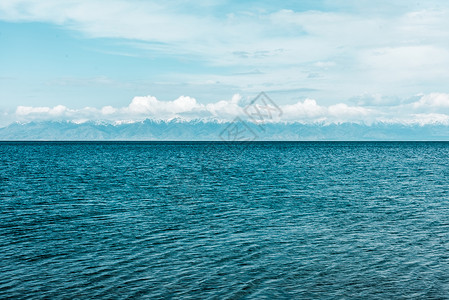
<point>338,50</point>
<point>367,43</point>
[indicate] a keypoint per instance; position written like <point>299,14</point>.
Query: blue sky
<point>337,61</point>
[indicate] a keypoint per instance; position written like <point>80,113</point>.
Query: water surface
<point>215,220</point>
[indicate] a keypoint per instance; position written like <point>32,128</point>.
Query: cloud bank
<point>425,109</point>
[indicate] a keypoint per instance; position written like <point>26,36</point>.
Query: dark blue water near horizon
<point>195,220</point>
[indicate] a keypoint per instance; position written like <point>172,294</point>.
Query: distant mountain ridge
<point>150,130</point>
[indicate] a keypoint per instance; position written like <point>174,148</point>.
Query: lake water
<point>226,221</point>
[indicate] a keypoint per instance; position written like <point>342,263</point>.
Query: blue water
<point>266,220</point>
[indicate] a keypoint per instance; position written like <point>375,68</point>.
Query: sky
<point>319,61</point>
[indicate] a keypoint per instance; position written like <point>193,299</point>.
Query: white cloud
<point>187,108</point>
<point>434,100</point>
<point>309,110</point>
<point>108,110</point>
<point>28,110</point>
<point>151,106</point>
<point>226,108</point>
<point>353,112</point>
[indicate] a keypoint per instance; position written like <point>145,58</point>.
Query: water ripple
<point>224,221</point>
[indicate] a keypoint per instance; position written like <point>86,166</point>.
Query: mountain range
<point>150,130</point>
